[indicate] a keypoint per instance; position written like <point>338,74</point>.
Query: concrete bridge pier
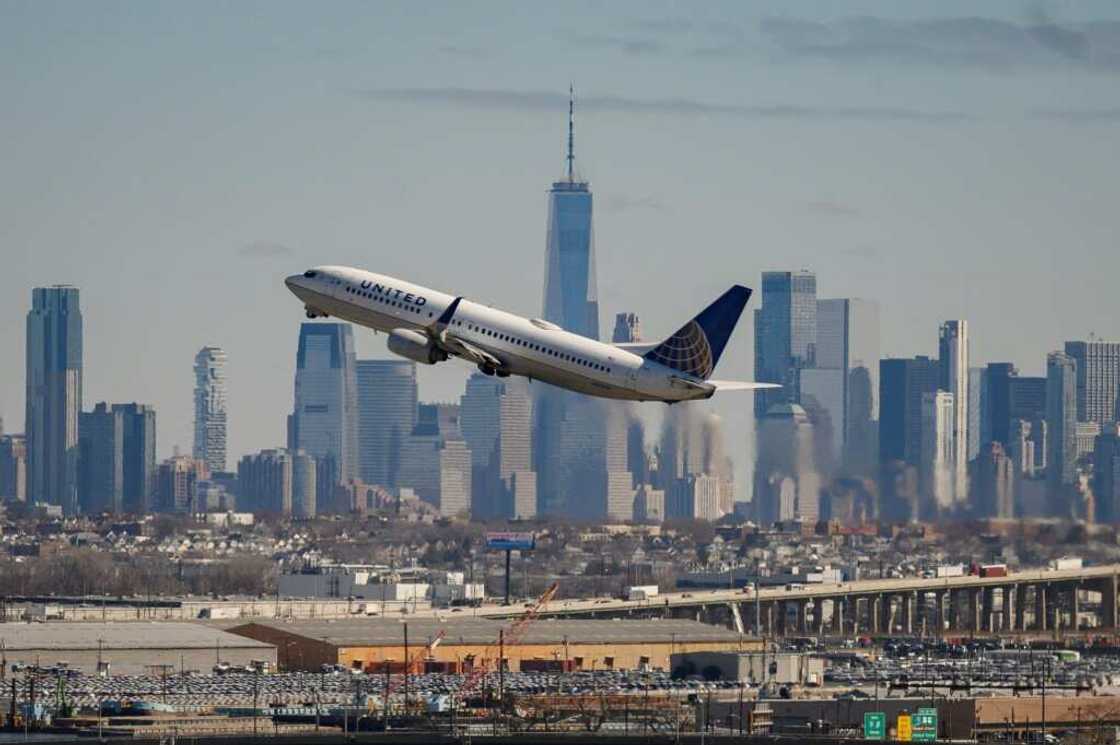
<point>1108,602</point>
<point>1074,606</point>
<point>1007,608</point>
<point>1040,609</point>
<point>939,611</point>
<point>838,605</point>
<point>909,602</point>
<point>987,605</point>
<point>1020,608</point>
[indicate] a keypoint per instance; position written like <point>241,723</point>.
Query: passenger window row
<point>535,347</point>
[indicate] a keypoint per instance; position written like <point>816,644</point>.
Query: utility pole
<point>406,668</point>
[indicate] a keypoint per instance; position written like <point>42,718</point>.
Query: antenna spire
<point>571,132</point>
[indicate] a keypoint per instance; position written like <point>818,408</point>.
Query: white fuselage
<point>528,347</point>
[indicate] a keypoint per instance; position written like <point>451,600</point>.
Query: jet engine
<point>415,346</point>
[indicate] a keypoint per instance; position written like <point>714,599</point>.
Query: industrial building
<point>366,644</point>
<point>779,668</point>
<point>127,648</point>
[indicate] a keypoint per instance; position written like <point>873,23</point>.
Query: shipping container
<point>950,570</point>
<point>1067,562</point>
<point>993,570</point>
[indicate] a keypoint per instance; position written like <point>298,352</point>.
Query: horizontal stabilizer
<point>740,385</point>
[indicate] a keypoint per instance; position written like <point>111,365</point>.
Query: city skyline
<point>756,147</point>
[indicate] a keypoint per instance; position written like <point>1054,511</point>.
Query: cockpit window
<point>310,274</point>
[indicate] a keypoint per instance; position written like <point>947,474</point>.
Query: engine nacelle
<point>415,346</point>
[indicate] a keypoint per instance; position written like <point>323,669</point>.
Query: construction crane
<point>511,636</point>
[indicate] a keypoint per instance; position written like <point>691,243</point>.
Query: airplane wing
<point>460,348</point>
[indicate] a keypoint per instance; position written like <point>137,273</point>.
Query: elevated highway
<point>1036,599</point>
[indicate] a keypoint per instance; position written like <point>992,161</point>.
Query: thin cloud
<point>265,250</point>
<point>949,42</point>
<point>513,100</point>
<point>1078,116</point>
<point>635,45</point>
<point>616,203</point>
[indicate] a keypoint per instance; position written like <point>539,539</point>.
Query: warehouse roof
<point>126,636</point>
<point>363,632</point>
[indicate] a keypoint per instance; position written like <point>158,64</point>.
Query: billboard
<point>509,541</point>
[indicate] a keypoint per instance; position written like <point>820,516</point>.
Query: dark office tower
<point>138,423</point>
<point>571,300</point>
<point>627,329</point>
<point>995,415</point>
<point>785,335</point>
<point>845,380</point>
<point>210,408</point>
<point>1106,474</point>
<point>13,468</point>
<point>902,384</point>
<point>324,420</point>
<point>1027,398</point>
<point>496,417</point>
<point>54,396</point>
<point>386,416</point>
<point>1061,423</point>
<point>977,401</point>
<point>1098,379</point>
<point>101,461</point>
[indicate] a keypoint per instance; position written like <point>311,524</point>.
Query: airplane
<point>428,326</point>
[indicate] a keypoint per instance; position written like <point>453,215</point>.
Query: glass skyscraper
<point>902,385</point>
<point>324,422</point>
<point>496,421</point>
<point>387,400</point>
<point>785,334</point>
<point>54,396</point>
<point>954,378</point>
<point>117,465</point>
<point>1061,422</point>
<point>210,407</point>
<point>571,301</point>
<point>1098,379</point>
<point>846,378</point>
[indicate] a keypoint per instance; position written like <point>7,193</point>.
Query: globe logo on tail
<point>687,350</point>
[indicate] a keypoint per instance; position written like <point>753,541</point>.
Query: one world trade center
<point>571,459</point>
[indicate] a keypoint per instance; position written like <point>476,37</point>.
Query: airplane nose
<point>292,282</point>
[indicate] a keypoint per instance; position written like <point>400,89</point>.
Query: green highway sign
<point>874,725</point>
<point>924,725</point>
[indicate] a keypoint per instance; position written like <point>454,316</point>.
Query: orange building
<point>367,644</point>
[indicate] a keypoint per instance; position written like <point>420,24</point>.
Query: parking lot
<point>284,689</point>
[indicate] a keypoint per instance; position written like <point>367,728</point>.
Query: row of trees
<point>89,572</point>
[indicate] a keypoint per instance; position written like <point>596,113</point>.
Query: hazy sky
<point>175,161</point>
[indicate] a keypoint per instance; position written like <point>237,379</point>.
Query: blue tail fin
<point>696,347</point>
